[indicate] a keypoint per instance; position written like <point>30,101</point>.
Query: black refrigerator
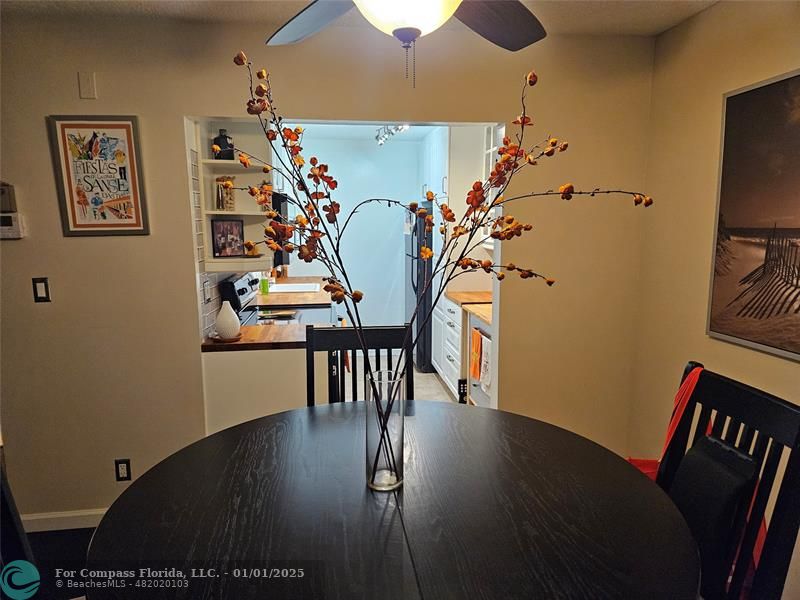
<point>280,204</point>
<point>418,287</point>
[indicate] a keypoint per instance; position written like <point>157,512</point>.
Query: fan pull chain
<point>414,67</point>
<point>413,45</point>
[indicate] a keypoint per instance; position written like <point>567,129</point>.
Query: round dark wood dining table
<point>494,505</point>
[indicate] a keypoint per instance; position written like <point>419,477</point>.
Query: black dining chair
<point>13,541</point>
<point>723,480</point>
<point>339,342</point>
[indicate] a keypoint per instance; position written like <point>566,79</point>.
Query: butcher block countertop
<point>462,298</point>
<point>262,337</point>
<point>295,299</point>
<point>482,311</point>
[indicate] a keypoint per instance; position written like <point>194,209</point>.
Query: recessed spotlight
<point>385,132</point>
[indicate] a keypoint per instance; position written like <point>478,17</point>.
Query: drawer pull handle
<point>450,358</point>
<point>451,311</point>
<point>451,324</point>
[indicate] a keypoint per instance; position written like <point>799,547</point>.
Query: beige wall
<point>111,369</point>
<point>727,47</point>
<point>565,351</point>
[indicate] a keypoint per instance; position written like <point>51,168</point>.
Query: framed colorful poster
<point>99,175</point>
<point>755,279</point>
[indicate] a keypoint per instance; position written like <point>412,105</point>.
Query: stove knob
<point>252,282</point>
<point>241,292</point>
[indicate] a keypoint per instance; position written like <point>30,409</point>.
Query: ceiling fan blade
<point>313,18</point>
<point>506,23</point>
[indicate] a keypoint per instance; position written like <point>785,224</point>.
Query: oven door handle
<point>248,315</point>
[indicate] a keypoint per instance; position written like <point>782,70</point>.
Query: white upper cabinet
<point>493,138</point>
<point>435,161</point>
<point>440,159</point>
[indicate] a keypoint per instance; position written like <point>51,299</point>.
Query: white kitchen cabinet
<point>439,160</point>
<point>451,310</point>
<point>425,166</point>
<point>493,138</point>
<point>452,367</point>
<point>437,340</point>
<point>435,162</point>
<point>452,331</point>
<point>447,343</point>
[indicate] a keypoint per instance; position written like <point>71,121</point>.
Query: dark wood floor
<point>64,549</point>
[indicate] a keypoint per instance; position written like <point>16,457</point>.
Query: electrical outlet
<point>122,469</point>
<point>462,391</point>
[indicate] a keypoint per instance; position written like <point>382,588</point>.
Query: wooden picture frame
<point>754,293</point>
<point>98,169</point>
<point>227,238</point>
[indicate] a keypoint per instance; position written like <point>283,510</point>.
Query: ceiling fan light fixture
<point>402,17</point>
<point>505,23</point>
<point>407,35</point>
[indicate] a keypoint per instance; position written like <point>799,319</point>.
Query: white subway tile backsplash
<point>210,309</point>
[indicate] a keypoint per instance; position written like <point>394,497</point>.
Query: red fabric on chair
<point>681,400</point>
<point>649,466</point>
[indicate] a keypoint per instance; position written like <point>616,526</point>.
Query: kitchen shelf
<point>236,265</point>
<point>237,213</point>
<point>206,170</point>
<point>212,162</point>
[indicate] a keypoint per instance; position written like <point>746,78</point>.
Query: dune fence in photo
<point>773,288</point>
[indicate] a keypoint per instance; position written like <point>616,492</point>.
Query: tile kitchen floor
<point>427,386</point>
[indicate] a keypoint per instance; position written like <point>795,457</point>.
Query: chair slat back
<point>381,342</point>
<point>767,428</point>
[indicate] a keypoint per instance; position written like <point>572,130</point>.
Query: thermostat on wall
<point>8,200</point>
<point>11,226</point>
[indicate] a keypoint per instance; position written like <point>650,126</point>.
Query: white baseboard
<point>72,519</point>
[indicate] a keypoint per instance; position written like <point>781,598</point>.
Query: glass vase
<point>385,406</point>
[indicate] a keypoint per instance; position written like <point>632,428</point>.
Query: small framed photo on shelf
<point>227,237</point>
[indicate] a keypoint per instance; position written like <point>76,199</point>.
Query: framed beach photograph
<point>227,237</point>
<point>98,174</point>
<point>755,280</point>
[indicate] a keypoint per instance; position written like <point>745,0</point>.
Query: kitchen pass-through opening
<point>394,160</point>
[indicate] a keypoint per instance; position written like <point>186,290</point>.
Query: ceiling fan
<point>506,23</point>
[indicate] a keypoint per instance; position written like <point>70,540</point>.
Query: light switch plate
<point>87,85</point>
<point>41,289</point>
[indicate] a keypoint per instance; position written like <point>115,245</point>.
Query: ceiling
<point>592,17</point>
